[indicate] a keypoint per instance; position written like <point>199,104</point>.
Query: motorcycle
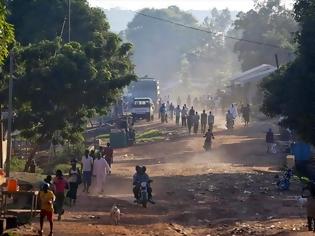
<point>143,197</point>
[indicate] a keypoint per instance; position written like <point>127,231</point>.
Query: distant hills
<point>119,18</point>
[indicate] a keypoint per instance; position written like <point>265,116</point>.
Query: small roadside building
<point>245,86</point>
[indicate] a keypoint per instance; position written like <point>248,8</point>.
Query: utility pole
<point>10,116</point>
<point>69,18</point>
<point>277,61</point>
<point>63,27</point>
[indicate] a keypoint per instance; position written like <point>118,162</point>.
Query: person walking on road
<point>60,186</point>
<point>203,121</point>
<point>46,199</point>
<point>177,114</point>
<point>87,166</point>
<point>246,114</point>
<point>269,140</point>
<point>108,153</point>
<point>210,121</point>
<point>171,111</point>
<point>190,120</point>
<point>196,122</point>
<point>100,171</point>
<point>184,116</point>
<point>74,181</point>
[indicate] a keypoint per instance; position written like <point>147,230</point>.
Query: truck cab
<point>142,108</point>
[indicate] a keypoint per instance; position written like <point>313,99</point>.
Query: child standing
<point>47,199</point>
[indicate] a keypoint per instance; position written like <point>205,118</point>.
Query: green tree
<point>213,60</point>
<point>59,86</point>
<point>290,91</point>
<point>66,84</point>
<point>6,33</point>
<point>159,46</point>
<point>42,20</point>
<point>269,23</point>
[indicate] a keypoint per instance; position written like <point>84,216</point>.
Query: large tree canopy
<point>58,86</point>
<point>290,91</point>
<point>65,83</point>
<point>6,33</point>
<point>268,23</point>
<point>214,60</point>
<point>43,20</point>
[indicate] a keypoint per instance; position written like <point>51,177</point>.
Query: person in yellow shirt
<point>46,198</point>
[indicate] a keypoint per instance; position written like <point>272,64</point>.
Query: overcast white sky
<point>239,5</point>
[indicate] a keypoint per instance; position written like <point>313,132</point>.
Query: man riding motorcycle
<point>208,141</point>
<point>139,177</point>
<point>229,120</point>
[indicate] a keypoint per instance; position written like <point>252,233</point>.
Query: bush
<point>17,164</point>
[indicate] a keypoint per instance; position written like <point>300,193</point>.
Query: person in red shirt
<point>60,185</point>
<point>108,152</point>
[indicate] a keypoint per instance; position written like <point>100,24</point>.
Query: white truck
<point>142,108</point>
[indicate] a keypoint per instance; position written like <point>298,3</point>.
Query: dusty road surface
<point>229,191</point>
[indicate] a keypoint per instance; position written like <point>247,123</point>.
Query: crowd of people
<point>92,171</point>
<point>187,114</point>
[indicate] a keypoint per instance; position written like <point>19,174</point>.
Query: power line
<point>209,31</point>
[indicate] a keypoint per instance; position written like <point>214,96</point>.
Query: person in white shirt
<point>177,114</point>
<point>100,170</point>
<point>87,166</point>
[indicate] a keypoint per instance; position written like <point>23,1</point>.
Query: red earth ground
<point>228,191</point>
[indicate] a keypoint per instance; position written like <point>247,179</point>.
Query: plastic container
<point>12,185</point>
<point>290,161</point>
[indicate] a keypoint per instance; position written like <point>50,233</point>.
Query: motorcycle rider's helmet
<point>144,169</point>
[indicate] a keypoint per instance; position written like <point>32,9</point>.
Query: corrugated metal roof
<point>254,74</point>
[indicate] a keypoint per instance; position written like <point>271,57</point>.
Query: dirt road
<point>229,191</point>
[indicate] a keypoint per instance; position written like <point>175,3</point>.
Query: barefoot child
<point>46,198</point>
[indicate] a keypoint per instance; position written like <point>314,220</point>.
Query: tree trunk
<point>91,123</point>
<point>30,157</point>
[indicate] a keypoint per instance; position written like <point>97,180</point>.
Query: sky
<point>237,5</point>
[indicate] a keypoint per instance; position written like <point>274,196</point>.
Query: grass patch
<point>149,136</point>
<point>64,157</point>
<point>17,164</point>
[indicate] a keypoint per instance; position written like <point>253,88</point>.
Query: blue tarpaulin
<point>301,151</point>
